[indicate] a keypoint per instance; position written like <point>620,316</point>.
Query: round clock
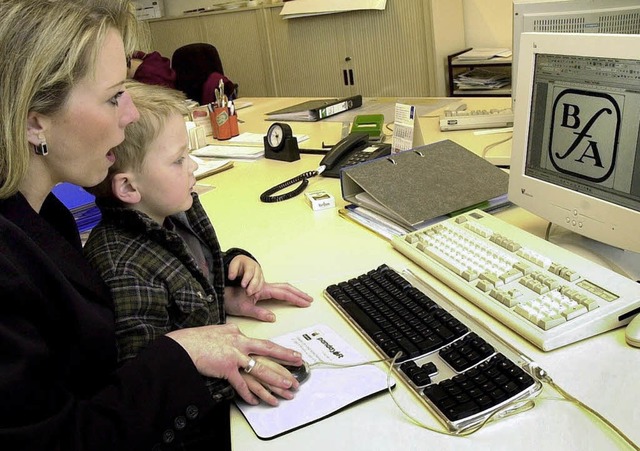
<point>277,134</point>
<point>280,144</point>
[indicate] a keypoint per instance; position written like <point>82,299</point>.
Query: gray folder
<point>416,186</point>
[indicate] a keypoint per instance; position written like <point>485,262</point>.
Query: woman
<point>63,106</point>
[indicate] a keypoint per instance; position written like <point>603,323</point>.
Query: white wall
<point>488,23</point>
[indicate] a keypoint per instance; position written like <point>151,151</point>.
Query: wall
<point>488,23</point>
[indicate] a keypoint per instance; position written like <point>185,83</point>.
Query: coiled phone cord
<point>303,179</point>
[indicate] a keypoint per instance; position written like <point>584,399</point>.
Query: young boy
<point>155,246</point>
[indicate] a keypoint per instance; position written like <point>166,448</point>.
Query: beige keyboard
<point>548,295</point>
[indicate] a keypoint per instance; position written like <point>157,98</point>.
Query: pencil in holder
<point>223,124</point>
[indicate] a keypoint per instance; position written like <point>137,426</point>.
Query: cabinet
<point>372,53</point>
<point>457,66</point>
<point>397,52</point>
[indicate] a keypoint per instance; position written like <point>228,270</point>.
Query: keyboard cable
<point>514,407</point>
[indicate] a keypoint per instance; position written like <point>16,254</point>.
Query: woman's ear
<point>123,188</point>
<point>36,127</point>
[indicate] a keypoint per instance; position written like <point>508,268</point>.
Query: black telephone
<point>353,149</point>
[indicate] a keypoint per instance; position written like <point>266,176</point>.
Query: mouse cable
<point>303,179</point>
<point>513,407</point>
<point>543,376</point>
<point>488,147</point>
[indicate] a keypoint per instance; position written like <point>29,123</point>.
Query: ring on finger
<point>250,366</point>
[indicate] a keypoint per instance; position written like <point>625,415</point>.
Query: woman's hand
<point>238,302</point>
<point>265,391</point>
<point>223,351</point>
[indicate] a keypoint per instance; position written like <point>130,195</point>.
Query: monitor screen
<point>576,150</point>
<point>572,16</point>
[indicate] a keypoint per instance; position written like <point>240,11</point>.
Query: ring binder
<point>424,183</point>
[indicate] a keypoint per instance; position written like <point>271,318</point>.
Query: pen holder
<point>224,125</point>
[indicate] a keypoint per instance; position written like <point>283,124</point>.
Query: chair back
<point>193,63</point>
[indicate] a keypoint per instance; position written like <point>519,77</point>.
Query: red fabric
<point>155,69</point>
<point>209,87</point>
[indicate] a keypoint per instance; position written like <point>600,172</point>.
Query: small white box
<point>149,9</point>
<point>320,200</point>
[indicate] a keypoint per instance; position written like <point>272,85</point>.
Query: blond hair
<point>46,47</point>
<point>155,104</point>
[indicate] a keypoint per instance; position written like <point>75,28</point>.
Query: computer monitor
<point>572,16</point>
<point>575,158</point>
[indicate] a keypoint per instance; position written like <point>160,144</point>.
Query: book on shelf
<point>315,110</point>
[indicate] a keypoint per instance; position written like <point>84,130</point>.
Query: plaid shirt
<point>155,282</point>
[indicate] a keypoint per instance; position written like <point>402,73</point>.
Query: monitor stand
<point>619,260</point>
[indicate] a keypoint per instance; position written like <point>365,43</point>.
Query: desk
<point>315,249</point>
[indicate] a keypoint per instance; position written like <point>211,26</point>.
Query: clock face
<point>275,135</point>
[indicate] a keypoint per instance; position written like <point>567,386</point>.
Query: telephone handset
<point>353,149</point>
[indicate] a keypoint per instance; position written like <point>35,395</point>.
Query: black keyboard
<point>460,370</point>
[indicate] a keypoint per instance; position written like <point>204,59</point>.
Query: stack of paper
<point>210,167</point>
<point>81,204</point>
<point>481,78</point>
<point>233,152</point>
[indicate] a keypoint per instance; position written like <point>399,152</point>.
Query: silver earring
<point>42,149</point>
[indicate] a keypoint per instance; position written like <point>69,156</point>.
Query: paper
<point>485,54</point>
<point>406,128</point>
<point>209,167</point>
<point>232,152</point>
<point>327,390</point>
<point>257,139</point>
<point>304,8</point>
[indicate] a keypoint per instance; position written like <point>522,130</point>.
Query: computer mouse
<point>300,373</point>
<point>632,332</point>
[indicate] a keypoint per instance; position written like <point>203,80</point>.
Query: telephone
<point>353,149</point>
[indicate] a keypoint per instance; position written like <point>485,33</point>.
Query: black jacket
<point>59,383</point>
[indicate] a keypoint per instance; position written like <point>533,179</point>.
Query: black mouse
<point>300,373</point>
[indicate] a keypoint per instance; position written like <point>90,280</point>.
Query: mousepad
<point>327,390</point>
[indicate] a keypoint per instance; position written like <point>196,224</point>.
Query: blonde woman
<point>63,106</point>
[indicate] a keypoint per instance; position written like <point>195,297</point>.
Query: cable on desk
<point>303,179</point>
<point>543,376</point>
<point>488,147</point>
<point>511,408</point>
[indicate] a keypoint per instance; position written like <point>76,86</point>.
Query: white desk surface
<point>315,249</point>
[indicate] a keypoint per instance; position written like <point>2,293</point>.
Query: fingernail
<point>287,382</point>
<point>271,318</point>
<point>297,355</point>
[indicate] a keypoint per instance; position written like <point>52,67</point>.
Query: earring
<point>42,149</point>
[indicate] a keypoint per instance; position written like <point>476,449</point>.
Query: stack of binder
<point>418,187</point>
<point>81,204</point>
<point>315,110</point>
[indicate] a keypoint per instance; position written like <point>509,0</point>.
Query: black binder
<point>416,186</point>
<point>315,110</point>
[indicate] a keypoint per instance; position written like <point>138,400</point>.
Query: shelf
<point>457,66</point>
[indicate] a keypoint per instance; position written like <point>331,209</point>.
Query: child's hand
<point>250,271</point>
<point>237,303</point>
